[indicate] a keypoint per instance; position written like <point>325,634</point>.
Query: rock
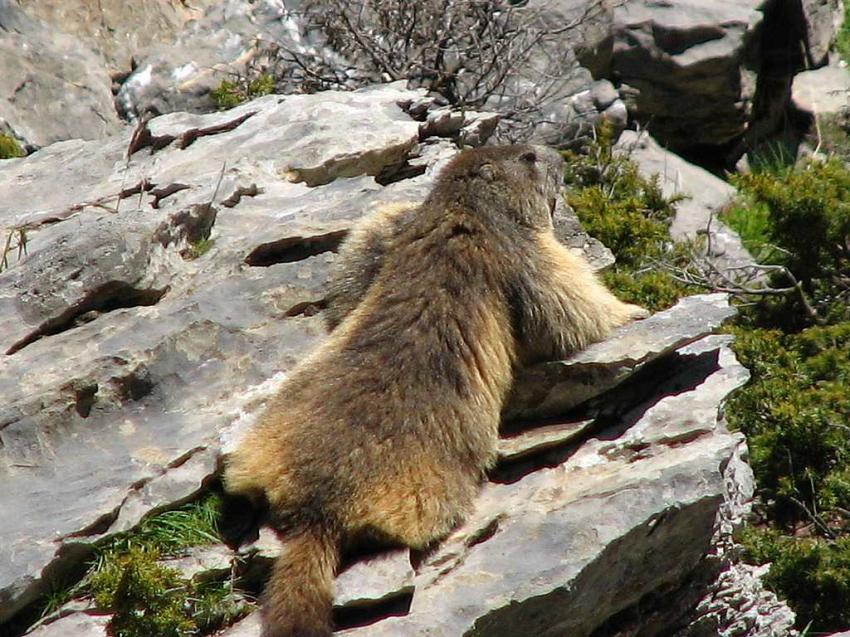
<point>824,91</point>
<point>112,321</point>
<point>119,30</point>
<point>705,197</point>
<point>570,537</point>
<point>178,75</point>
<point>110,327</point>
<point>548,389</point>
<point>589,27</point>
<point>690,65</point>
<point>53,86</point>
<point>248,627</point>
<point>75,625</point>
<point>716,74</point>
<point>374,581</point>
<point>724,612</point>
<point>822,20</point>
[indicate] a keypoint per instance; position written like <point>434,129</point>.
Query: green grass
<point>198,249</point>
<point>231,93</point>
<point>173,531</point>
<point>127,579</point>
<point>751,220</point>
<point>10,148</point>
<point>842,39</point>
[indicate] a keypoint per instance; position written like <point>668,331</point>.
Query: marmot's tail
<point>299,594</point>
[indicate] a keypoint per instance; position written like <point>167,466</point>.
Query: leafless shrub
<point>478,54</point>
<point>697,266</point>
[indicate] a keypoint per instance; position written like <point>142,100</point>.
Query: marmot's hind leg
<point>415,517</point>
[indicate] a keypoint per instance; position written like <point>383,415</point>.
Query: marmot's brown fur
<point>387,430</point>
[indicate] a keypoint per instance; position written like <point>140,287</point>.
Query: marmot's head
<point>521,182</point>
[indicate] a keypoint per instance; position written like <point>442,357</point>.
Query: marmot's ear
<point>487,173</point>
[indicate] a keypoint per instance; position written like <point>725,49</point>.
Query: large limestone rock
<point>52,85</point>
<point>707,73</point>
<point>822,20</point>
<point>179,74</point>
<point>688,66</point>
<point>122,355</point>
<point>705,196</point>
<point>823,91</point>
<point>174,272</point>
<point>120,30</point>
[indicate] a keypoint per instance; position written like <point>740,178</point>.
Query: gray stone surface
<point>52,85</point>
<point>179,74</point>
<point>75,625</point>
<point>709,73</point>
<point>705,196</point>
<point>559,544</point>
<point>823,91</point>
<point>108,332</point>
<point>822,19</point>
<point>375,580</point>
<point>689,64</point>
<point>120,30</point>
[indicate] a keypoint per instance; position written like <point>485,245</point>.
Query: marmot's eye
<point>529,156</point>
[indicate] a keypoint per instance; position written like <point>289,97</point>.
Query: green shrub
<point>809,212</point>
<point>145,597</point>
<point>9,147</point>
<point>805,215</point>
<point>842,38</point>
<point>231,93</point>
<point>813,573</point>
<point>796,415</point>
<point>631,216</point>
<point>795,411</point>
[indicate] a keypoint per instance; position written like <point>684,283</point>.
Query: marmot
<point>388,428</point>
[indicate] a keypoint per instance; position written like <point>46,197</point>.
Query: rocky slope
<point>706,77</point>
<point>173,271</point>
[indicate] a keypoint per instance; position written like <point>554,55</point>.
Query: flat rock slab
<point>824,91</point>
<point>688,62</point>
<point>705,196</point>
<point>122,358</point>
<point>552,389</point>
<point>123,352</point>
<point>53,86</point>
<point>74,625</point>
<point>567,545</point>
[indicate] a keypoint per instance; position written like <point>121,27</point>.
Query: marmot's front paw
<point>636,312</point>
<point>624,313</point>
